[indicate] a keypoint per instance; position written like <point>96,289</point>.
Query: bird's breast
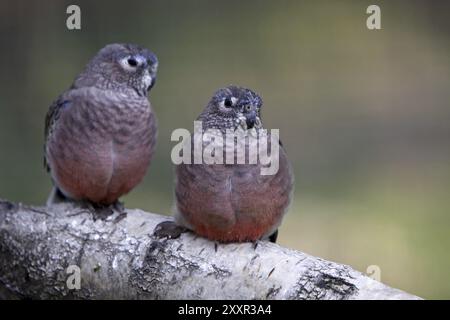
<point>101,149</point>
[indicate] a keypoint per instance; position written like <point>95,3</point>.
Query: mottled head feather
<point>228,105</point>
<point>120,67</point>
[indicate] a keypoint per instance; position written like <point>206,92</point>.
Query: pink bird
<point>231,202</point>
<point>100,134</point>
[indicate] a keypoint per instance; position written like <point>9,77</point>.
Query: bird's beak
<point>152,83</point>
<point>148,80</point>
<point>250,119</point>
<point>141,60</point>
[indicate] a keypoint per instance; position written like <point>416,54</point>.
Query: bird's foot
<point>169,230</point>
<point>100,211</point>
<point>103,211</point>
<point>120,208</point>
<point>255,244</point>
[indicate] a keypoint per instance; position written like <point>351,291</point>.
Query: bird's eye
<point>132,62</point>
<point>248,107</point>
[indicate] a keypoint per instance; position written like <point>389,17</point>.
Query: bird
<point>230,202</point>
<point>100,134</point>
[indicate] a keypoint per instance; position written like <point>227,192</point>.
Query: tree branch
<point>121,259</point>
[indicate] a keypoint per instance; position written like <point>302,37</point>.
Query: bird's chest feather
<point>240,169</point>
<point>112,125</point>
<point>102,146</point>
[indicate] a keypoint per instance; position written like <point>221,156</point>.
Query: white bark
<point>123,260</point>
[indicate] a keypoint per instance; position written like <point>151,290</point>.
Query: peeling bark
<point>121,259</point>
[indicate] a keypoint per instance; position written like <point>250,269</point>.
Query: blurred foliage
<point>364,115</point>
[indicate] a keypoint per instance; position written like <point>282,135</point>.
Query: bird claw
<point>119,207</point>
<point>169,230</point>
<point>99,211</point>
<point>102,212</point>
<point>120,217</point>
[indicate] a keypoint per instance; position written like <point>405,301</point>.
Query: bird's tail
<point>273,237</point>
<point>55,196</point>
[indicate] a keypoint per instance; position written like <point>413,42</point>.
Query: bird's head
<point>119,66</point>
<point>233,107</point>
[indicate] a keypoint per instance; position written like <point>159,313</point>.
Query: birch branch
<point>120,258</point>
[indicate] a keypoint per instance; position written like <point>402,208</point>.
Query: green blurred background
<point>364,115</point>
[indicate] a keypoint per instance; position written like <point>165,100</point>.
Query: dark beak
<point>151,84</point>
<point>250,119</point>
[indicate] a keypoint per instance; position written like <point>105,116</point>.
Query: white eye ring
<point>233,101</point>
<point>130,63</point>
<point>125,63</point>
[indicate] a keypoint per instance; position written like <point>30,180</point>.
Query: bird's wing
<point>51,119</point>
<point>265,197</point>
